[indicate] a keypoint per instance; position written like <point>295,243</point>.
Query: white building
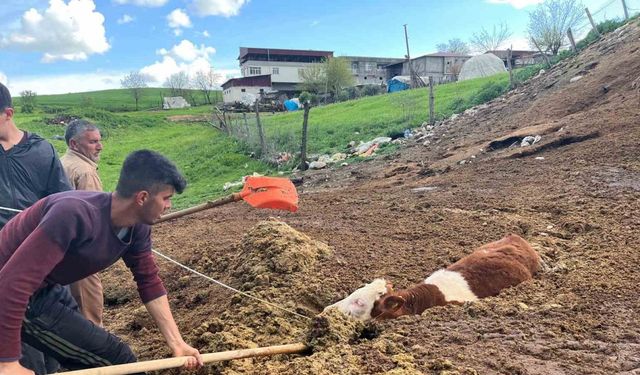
<point>245,89</point>
<point>284,65</point>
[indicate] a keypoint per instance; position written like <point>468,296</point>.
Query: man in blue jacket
<point>29,170</point>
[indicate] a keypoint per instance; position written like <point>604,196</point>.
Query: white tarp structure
<point>481,66</point>
<point>171,102</point>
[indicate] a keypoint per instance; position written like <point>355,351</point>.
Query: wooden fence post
<point>432,119</point>
<point>263,145</point>
<point>626,11</point>
<point>511,84</point>
<point>305,126</point>
<point>573,41</point>
<point>592,23</point>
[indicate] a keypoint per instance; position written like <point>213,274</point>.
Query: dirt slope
<point>574,195</point>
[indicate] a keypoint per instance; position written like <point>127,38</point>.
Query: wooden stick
<point>162,364</point>
<point>201,207</point>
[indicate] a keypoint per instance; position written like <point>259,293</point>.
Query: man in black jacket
<point>29,166</point>
<point>29,170</point>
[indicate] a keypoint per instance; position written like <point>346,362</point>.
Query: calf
<point>483,273</point>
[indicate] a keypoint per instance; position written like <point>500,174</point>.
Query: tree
<point>206,81</point>
<point>314,79</point>
<point>453,46</point>
<point>178,83</point>
<point>484,40</point>
<point>28,101</point>
<point>548,23</point>
<point>338,75</point>
<point>135,82</point>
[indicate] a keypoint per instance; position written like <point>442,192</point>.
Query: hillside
<point>574,195</point>
<point>117,100</point>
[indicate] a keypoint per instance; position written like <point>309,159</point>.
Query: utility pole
<point>416,81</point>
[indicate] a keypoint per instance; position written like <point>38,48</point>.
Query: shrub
<point>488,92</point>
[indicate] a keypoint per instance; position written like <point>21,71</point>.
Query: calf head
<point>389,306</point>
<point>359,304</point>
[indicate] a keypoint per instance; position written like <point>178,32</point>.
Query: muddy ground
<point>574,196</point>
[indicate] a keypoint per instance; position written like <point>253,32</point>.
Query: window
<point>369,66</point>
<point>354,65</point>
<point>243,90</point>
<point>255,70</point>
<point>275,71</point>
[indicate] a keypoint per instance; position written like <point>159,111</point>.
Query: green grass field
<point>209,158</point>
<point>118,100</point>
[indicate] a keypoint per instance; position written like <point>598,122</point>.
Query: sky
<point>62,46</point>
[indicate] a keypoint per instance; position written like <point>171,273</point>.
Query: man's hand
<point>183,349</point>
<point>13,368</point>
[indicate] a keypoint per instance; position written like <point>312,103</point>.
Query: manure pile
<point>279,264</point>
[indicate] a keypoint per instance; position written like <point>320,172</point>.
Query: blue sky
<point>59,46</point>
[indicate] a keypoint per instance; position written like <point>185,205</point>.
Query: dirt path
<point>574,196</point>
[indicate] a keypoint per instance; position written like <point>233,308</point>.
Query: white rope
<point>227,286</point>
<point>208,278</point>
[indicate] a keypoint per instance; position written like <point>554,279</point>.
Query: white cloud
<point>143,3</point>
<point>62,32</point>
<point>205,34</point>
<point>518,4</point>
<point>125,19</point>
<point>183,57</point>
<point>66,83</point>
<point>226,8</point>
<point>178,18</point>
<point>187,51</point>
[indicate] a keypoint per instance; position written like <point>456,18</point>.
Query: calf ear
<point>393,303</point>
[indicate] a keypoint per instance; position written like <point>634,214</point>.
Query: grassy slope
<point>113,100</point>
<point>209,159</point>
<point>331,127</point>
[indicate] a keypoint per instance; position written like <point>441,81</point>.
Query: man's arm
<point>161,312</point>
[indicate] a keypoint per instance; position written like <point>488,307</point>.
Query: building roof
<point>252,81</point>
<point>445,54</point>
<point>502,53</point>
<point>244,51</point>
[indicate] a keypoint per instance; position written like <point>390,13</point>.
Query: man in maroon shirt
<point>68,236</point>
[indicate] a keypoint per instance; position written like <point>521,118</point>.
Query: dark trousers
<point>53,325</point>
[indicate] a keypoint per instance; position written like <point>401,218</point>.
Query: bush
<point>604,28</point>
<point>458,105</point>
<point>371,90</point>
<point>488,92</point>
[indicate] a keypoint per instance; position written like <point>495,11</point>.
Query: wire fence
<point>606,11</point>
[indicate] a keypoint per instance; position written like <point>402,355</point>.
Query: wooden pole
<point>573,41</point>
<point>305,127</point>
<point>626,11</point>
<point>263,145</point>
<point>162,364</point>
<point>432,116</point>
<point>595,28</point>
<point>511,85</point>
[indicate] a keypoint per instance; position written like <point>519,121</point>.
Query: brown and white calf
<point>483,273</point>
